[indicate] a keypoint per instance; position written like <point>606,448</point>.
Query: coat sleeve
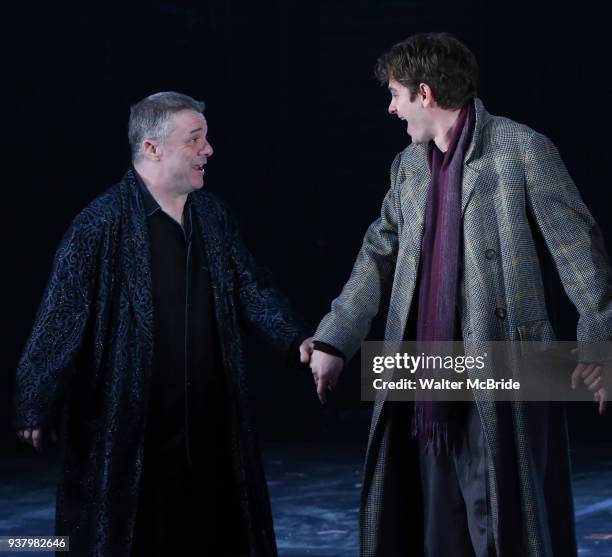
<point>59,325</point>
<point>575,243</point>
<point>260,302</point>
<point>350,318</point>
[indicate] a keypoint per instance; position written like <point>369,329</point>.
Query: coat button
<point>490,254</point>
<point>500,312</point>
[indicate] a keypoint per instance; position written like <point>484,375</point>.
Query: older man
<point>136,352</point>
<point>474,203</point>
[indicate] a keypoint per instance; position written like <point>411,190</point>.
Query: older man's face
<point>185,151</point>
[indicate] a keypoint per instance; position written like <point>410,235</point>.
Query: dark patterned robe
<point>87,364</point>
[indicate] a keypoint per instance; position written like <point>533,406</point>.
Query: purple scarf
<point>435,422</point>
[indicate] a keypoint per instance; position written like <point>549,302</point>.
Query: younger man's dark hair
<point>437,59</point>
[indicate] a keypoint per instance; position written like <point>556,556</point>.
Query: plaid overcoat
<point>516,195</point>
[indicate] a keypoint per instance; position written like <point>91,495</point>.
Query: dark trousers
<point>455,496</point>
<point>189,510</point>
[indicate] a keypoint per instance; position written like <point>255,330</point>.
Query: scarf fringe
<point>432,435</point>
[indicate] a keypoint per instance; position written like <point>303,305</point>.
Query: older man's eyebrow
<point>196,130</point>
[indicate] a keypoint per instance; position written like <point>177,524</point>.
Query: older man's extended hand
<point>306,349</point>
<point>34,436</point>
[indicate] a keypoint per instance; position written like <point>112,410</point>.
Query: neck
<point>444,127</point>
<point>171,201</point>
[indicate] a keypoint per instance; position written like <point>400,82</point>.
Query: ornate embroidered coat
<point>87,364</point>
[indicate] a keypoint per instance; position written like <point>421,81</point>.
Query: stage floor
<point>315,498</point>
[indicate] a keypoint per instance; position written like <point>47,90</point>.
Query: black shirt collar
<point>148,201</point>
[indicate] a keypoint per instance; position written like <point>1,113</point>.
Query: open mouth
<point>199,168</point>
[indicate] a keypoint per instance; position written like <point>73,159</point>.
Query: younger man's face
<point>411,111</point>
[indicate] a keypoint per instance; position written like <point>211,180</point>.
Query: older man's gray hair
<point>150,118</point>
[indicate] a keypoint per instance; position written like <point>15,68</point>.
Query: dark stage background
<point>302,143</point>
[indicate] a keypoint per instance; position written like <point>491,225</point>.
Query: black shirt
<point>187,390</point>
<point>187,452</point>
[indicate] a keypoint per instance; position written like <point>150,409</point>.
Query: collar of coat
<point>414,176</point>
<point>414,169</point>
<point>481,119</point>
<point>416,154</point>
